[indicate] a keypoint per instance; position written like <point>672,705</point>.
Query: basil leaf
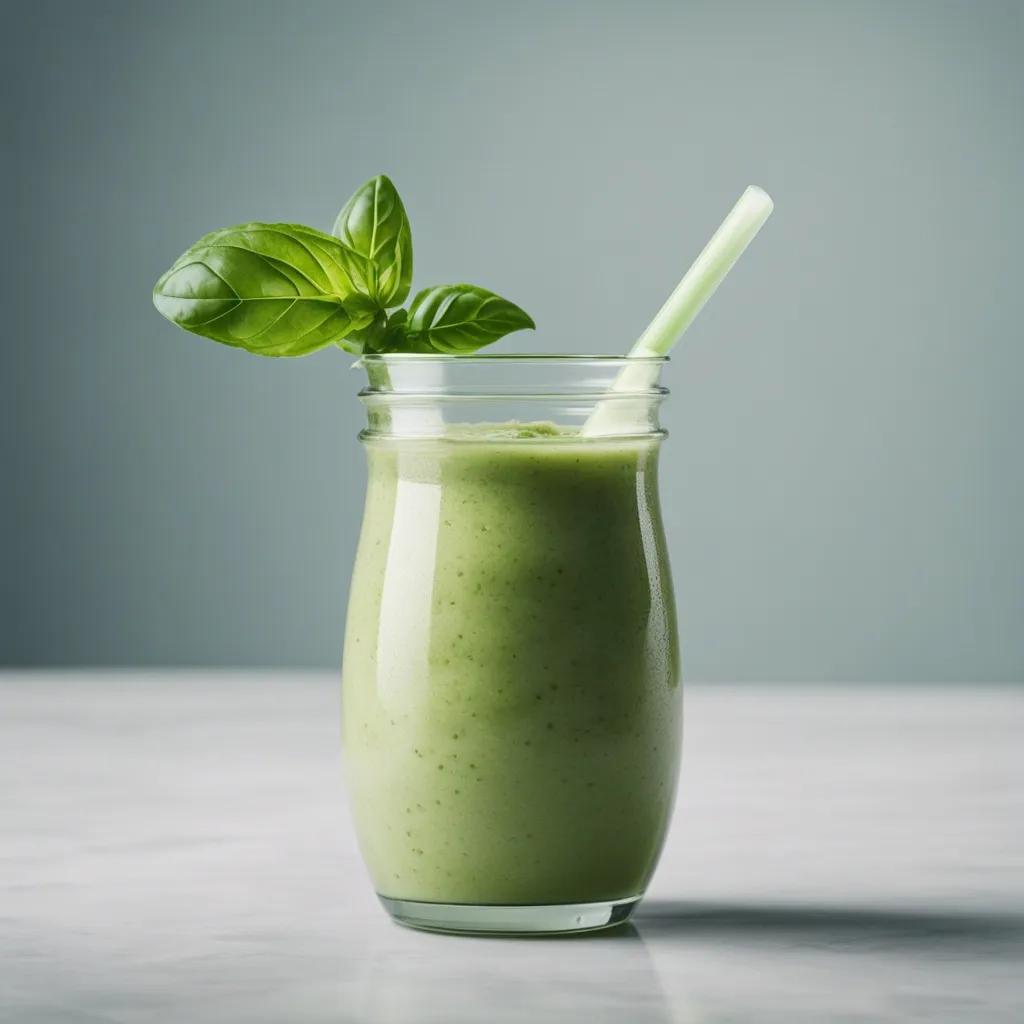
<point>272,289</point>
<point>460,318</point>
<point>373,224</point>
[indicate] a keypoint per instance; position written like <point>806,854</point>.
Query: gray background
<point>844,483</point>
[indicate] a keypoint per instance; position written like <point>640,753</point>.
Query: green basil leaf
<point>272,289</point>
<point>373,224</point>
<point>460,318</point>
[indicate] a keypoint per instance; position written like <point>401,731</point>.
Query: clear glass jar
<point>511,682</point>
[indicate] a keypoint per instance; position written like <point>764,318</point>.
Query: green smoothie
<point>512,707</point>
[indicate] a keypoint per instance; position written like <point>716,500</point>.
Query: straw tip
<point>762,197</point>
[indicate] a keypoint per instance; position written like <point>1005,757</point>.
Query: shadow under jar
<point>511,683</point>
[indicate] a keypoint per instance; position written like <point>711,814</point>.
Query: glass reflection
<point>606,977</point>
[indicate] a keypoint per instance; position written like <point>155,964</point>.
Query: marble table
<point>175,847</point>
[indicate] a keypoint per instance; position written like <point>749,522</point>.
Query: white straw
<point>697,286</point>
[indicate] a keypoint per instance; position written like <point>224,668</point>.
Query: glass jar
<point>511,683</point>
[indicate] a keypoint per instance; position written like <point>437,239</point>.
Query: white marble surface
<point>176,848</point>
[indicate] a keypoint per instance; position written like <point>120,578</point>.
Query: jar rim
<point>384,358</point>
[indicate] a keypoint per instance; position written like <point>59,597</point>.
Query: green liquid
<point>512,708</point>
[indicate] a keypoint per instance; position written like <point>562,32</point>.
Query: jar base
<point>467,919</point>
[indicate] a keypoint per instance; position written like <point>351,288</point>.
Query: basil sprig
<point>288,290</point>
